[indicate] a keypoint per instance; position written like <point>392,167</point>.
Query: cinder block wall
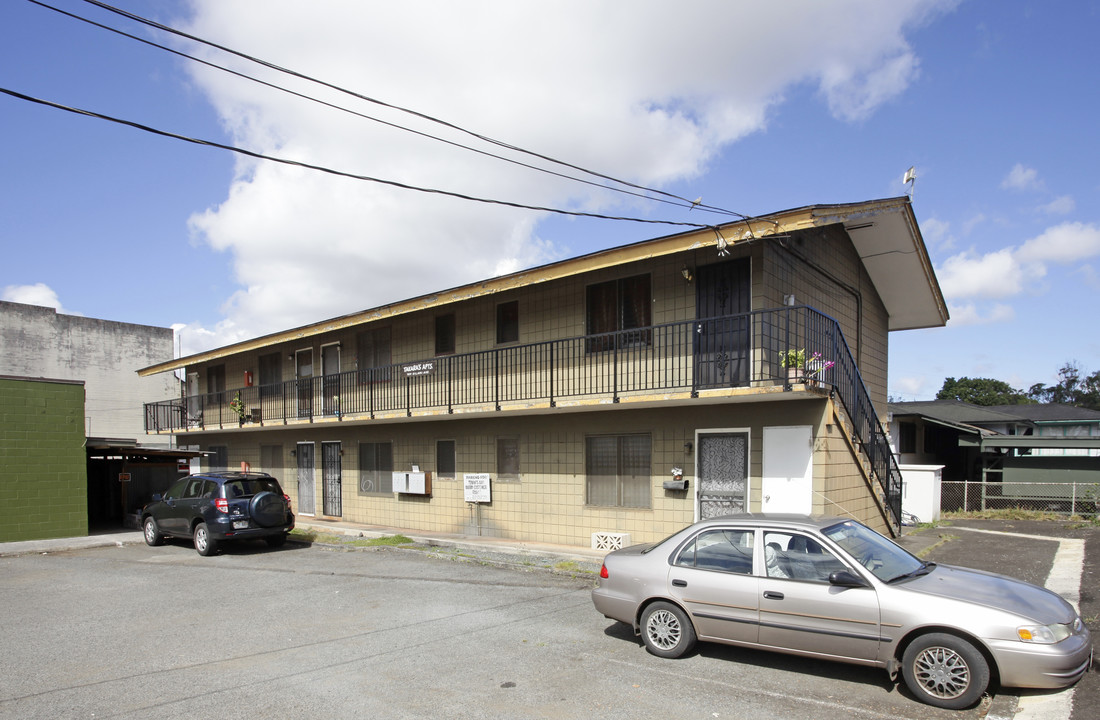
<point>43,467</point>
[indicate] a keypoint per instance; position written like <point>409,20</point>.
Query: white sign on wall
<point>476,487</point>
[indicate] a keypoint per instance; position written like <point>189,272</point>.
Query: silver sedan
<point>832,588</point>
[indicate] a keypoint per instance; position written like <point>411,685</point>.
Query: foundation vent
<point>610,540</point>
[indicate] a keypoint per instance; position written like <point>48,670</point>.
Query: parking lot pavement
<point>304,632</point>
<point>1027,550</point>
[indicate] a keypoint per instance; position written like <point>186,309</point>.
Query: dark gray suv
<point>217,506</point>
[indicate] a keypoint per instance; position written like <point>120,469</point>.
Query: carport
<point>123,476</point>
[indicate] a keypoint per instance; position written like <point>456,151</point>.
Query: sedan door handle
<point>679,583</point>
<point>772,595</point>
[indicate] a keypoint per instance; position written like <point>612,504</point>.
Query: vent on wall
<point>610,540</point>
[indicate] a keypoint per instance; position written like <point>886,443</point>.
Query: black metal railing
<point>758,349</point>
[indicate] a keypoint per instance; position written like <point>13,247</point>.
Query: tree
<point>1073,388</point>
<point>982,391</point>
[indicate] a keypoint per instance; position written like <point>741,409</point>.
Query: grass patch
<point>1006,514</point>
<point>312,536</point>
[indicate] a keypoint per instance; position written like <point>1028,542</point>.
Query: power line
<point>166,28</point>
<point>331,171</point>
<point>334,106</point>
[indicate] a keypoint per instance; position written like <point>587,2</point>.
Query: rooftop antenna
<point>910,179</point>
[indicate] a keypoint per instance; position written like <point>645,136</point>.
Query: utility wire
<point>331,171</point>
<point>677,203</point>
<point>423,116</point>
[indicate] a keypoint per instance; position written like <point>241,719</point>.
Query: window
<point>218,458</point>
<point>376,468</point>
<point>373,355</point>
<point>508,322</point>
<point>617,470</point>
<point>726,550</point>
<point>445,459</point>
<point>507,459</point>
<point>907,437</point>
<point>445,334</point>
<point>215,383</point>
<point>616,306</point>
<point>271,374</point>
<point>271,459</point>
<point>798,557</point>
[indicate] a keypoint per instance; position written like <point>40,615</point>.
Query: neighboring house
<point>604,399</point>
<point>100,358</point>
<point>1056,420</point>
<point>104,355</point>
<point>1038,456</point>
<point>43,478</point>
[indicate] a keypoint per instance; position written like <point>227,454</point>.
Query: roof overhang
<point>1030,442</point>
<point>884,232</point>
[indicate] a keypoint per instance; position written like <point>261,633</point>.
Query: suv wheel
<point>152,534</point>
<point>204,544</point>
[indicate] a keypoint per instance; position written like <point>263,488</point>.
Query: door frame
<point>330,381</point>
<point>297,476</point>
<point>747,432</point>
<point>332,497</point>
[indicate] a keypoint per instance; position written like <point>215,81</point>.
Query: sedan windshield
<point>884,559</point>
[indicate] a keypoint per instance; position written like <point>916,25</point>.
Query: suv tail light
<point>288,506</point>
<point>222,505</point>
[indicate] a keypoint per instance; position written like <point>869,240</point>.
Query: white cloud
<point>971,314</point>
<point>993,275</point>
<point>1022,178</point>
<point>38,294</point>
<point>643,92</point>
<point>1063,244</point>
<point>1063,205</point>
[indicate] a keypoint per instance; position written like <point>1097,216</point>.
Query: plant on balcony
<point>792,358</point>
<point>238,407</point>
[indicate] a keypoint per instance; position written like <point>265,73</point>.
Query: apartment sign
<point>476,488</point>
<point>417,369</point>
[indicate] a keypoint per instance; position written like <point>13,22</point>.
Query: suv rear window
<point>250,487</point>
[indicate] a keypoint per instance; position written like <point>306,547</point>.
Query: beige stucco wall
<point>547,503</point>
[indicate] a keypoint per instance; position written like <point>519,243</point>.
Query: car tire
<point>666,630</point>
<point>151,532</point>
<point>204,544</point>
<point>276,540</point>
<point>267,509</point>
<point>945,671</point>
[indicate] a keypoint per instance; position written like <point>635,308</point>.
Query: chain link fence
<point>1063,498</point>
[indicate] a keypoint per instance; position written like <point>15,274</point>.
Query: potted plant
<point>238,407</point>
<point>794,360</point>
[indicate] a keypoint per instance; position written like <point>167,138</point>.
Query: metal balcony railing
<point>745,350</point>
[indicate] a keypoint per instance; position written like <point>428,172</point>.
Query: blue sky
<point>756,107</point>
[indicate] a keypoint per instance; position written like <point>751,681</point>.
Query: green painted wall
<point>43,465</point>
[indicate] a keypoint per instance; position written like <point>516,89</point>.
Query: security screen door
<point>722,473</point>
<point>723,337</point>
<point>307,504</point>
<point>330,474</point>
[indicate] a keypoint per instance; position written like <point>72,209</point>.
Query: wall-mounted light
<point>686,272</point>
<point>788,300</point>
<point>688,446</point>
<point>293,453</point>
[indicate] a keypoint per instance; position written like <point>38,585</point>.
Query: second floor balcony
<point>763,349</point>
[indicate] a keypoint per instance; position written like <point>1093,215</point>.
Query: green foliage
<point>1073,388</point>
<point>793,358</point>
<point>981,391</point>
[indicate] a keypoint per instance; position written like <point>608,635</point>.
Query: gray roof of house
<point>954,411</point>
<point>1051,412</point>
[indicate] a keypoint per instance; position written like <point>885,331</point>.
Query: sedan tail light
<point>222,505</point>
<point>603,572</point>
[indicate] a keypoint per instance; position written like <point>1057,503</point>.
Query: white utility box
<point>412,483</point>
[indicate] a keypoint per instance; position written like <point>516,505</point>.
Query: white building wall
<point>39,342</point>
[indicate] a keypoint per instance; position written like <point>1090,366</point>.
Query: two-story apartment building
<point>607,398</point>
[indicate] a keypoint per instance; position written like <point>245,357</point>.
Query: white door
<point>787,483</point>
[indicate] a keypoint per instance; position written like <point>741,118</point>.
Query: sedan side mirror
<point>157,497</point>
<point>846,578</point>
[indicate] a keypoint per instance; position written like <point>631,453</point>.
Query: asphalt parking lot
<point>312,632</point>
